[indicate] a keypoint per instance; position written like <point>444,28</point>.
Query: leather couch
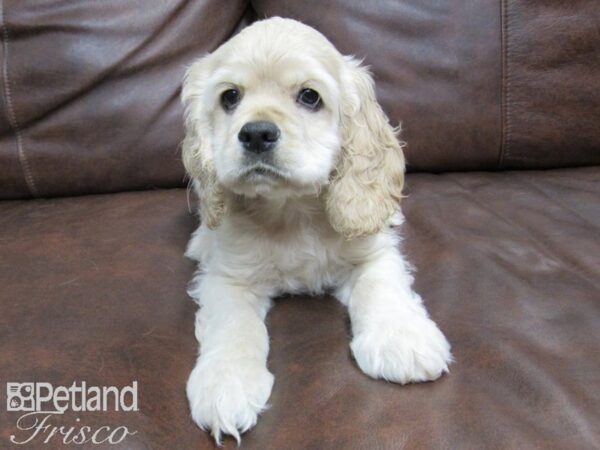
<point>500,106</point>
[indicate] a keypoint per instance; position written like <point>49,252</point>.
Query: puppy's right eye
<point>230,99</point>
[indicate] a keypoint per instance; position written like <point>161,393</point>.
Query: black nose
<point>258,137</point>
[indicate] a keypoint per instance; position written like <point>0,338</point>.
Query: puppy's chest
<point>296,251</point>
<point>308,261</point>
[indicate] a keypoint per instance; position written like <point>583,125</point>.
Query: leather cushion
<point>91,91</point>
<point>93,289</point>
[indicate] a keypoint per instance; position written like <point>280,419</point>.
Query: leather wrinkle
<point>567,263</point>
<point>111,70</point>
<point>537,188</point>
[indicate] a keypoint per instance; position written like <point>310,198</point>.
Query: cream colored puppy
<point>299,176</point>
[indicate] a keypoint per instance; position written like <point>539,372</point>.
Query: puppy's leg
<point>393,336</point>
<point>230,384</point>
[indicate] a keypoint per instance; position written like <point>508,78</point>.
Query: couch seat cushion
<point>93,289</point>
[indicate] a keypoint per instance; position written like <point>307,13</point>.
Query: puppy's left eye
<point>309,98</point>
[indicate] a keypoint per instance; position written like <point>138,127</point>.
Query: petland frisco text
<point>40,402</point>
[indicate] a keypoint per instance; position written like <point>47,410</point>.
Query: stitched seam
<point>502,82</point>
<point>508,92</point>
<point>10,111</point>
<point>506,126</point>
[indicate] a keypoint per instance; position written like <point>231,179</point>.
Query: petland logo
<point>40,402</point>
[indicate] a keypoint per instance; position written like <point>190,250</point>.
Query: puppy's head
<point>277,112</point>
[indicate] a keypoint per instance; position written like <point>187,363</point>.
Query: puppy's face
<point>271,104</point>
<point>278,112</point>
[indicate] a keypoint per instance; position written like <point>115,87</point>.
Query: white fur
<point>324,224</point>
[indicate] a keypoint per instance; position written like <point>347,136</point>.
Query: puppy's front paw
<point>402,351</point>
<point>226,397</point>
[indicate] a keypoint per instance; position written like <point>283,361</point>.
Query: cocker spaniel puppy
<point>299,176</point>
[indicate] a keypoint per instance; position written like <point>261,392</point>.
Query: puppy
<point>299,176</point>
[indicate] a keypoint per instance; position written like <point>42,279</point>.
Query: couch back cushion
<point>90,89</point>
<point>551,84</point>
<point>477,85</point>
<point>90,95</point>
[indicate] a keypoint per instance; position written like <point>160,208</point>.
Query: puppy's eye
<point>230,99</point>
<point>309,98</point>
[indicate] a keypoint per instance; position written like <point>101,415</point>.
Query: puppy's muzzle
<point>259,137</point>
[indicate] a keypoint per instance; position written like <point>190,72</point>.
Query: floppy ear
<point>196,147</point>
<point>366,186</point>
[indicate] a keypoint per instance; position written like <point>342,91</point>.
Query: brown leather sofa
<point>500,105</point>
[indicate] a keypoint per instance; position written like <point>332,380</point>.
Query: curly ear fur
<point>366,186</point>
<point>196,146</point>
